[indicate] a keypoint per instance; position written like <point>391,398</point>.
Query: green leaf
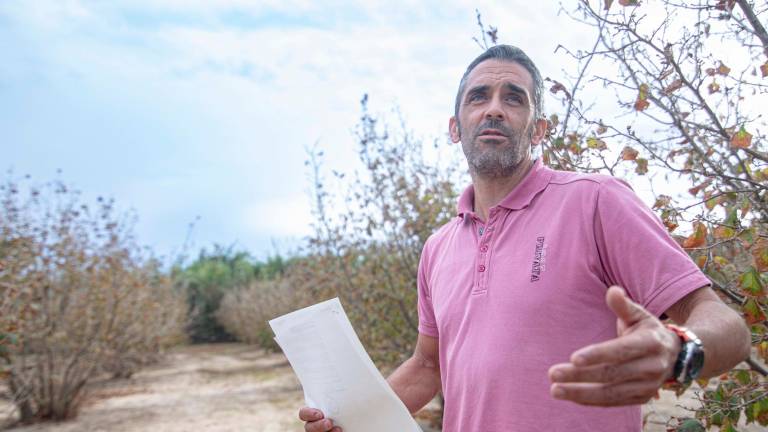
<point>754,313</point>
<point>747,236</point>
<point>723,232</point>
<point>760,254</point>
<point>750,282</point>
<point>717,275</point>
<point>7,339</point>
<point>750,412</point>
<point>642,98</point>
<point>760,411</point>
<point>746,205</point>
<point>742,376</point>
<point>712,202</point>
<point>642,166</point>
<point>758,329</point>
<point>716,419</point>
<point>596,143</point>
<point>690,425</point>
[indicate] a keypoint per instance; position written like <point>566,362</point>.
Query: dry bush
<point>78,298</point>
<point>366,246</point>
<point>153,318</point>
<point>244,312</point>
<point>370,233</point>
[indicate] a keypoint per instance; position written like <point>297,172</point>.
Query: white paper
<point>336,373</point>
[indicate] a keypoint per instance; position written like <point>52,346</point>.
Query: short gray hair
<point>511,54</point>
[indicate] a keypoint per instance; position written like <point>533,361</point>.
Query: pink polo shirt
<point>510,297</point>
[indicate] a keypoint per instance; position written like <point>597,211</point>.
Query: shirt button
<point>484,248</point>
<point>481,268</point>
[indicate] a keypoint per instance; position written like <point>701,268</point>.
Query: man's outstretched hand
<point>627,370</point>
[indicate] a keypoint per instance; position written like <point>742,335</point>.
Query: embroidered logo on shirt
<point>539,259</point>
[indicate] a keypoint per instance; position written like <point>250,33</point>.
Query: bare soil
<point>228,387</point>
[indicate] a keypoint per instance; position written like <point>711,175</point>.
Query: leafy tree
<point>206,281</point>
<point>274,267</point>
<point>210,278</point>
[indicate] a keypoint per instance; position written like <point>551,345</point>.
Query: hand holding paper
<point>316,421</point>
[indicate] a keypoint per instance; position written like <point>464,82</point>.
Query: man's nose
<point>494,110</point>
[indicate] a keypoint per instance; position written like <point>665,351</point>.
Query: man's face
<point>496,125</point>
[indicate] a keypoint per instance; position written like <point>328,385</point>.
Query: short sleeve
<point>427,323</point>
<point>638,254</point>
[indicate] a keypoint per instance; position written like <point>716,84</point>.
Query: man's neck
<point>489,191</point>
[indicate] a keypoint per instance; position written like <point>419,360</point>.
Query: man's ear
<point>453,129</point>
<point>539,132</point>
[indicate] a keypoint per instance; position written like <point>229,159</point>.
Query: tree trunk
<point>21,400</point>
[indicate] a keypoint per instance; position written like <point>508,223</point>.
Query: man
<point>520,324</point>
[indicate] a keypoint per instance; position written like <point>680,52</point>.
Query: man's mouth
<point>492,132</point>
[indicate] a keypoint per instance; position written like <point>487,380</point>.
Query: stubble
<point>495,158</point>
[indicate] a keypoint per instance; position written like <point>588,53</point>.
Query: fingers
<point>323,425</point>
<point>316,421</point>
<point>620,350</point>
<point>625,309</point>
<point>310,414</point>
<point>653,369</point>
<point>600,394</point>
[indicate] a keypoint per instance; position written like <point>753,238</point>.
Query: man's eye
<point>476,97</point>
<point>515,99</point>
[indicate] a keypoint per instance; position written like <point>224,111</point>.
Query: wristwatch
<point>690,359</point>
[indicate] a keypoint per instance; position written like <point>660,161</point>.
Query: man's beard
<point>494,160</point>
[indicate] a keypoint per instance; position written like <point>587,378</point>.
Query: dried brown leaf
<point>673,86</point>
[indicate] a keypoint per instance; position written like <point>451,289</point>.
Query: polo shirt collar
<point>534,182</point>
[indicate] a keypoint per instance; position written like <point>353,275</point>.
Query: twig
<point>755,22</point>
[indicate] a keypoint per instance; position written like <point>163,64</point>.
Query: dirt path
<point>224,387</point>
<point>199,388</point>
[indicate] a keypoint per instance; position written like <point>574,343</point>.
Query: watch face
<point>696,362</point>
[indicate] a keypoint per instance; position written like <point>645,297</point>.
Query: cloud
<point>288,216</point>
<point>226,95</point>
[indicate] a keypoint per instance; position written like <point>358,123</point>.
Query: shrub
<point>78,298</point>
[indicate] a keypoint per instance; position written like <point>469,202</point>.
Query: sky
<point>201,111</point>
